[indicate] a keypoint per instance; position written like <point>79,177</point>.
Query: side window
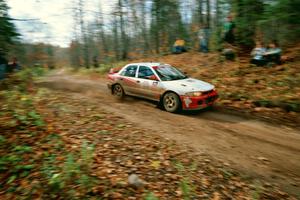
<point>130,71</point>
<point>145,72</point>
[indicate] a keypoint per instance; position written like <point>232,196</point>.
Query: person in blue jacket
<point>257,54</point>
<point>273,53</point>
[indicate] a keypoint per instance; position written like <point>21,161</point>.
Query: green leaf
<point>39,123</point>
<point>11,179</point>
<point>25,174</point>
<point>34,115</point>
<point>151,196</point>
<point>28,167</point>
<point>23,149</point>
<point>2,139</point>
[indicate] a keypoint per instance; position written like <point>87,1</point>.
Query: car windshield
<point>169,73</point>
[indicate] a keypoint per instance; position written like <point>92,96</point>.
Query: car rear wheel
<point>171,102</point>
<point>118,91</point>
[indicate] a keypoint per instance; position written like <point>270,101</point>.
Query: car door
<point>149,83</point>
<point>128,79</point>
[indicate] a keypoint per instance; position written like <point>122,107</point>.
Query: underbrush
<point>34,162</point>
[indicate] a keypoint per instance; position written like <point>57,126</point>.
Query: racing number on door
<point>147,85</point>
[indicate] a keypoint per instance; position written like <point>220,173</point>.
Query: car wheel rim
<point>170,102</point>
<point>118,90</point>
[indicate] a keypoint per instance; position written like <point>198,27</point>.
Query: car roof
<point>148,64</point>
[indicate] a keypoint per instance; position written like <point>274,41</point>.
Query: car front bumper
<point>200,102</point>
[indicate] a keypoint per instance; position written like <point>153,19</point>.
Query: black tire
<point>171,102</point>
<point>118,91</point>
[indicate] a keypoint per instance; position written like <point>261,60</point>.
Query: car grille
<point>207,100</point>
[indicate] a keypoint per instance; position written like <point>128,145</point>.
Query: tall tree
<point>83,31</point>
<point>200,10</point>
<point>282,19</point>
<point>248,12</point>
<point>116,42</point>
<point>145,36</point>
<point>124,37</point>
<point>100,24</point>
<point>74,52</point>
<point>166,23</point>
<point>208,13</point>
<point>155,24</point>
<point>8,32</point>
<point>136,9</point>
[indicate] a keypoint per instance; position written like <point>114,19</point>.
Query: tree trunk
<point>200,7</point>
<point>208,13</point>
<point>144,28</point>
<point>123,33</point>
<point>116,38</point>
<point>101,30</point>
<point>86,55</point>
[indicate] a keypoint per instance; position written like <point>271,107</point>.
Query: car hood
<point>188,85</point>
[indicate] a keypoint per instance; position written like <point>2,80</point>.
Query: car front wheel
<point>171,102</point>
<point>118,91</point>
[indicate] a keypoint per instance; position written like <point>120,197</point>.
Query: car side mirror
<point>153,78</point>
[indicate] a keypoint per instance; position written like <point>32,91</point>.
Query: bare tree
<point>208,13</point>
<point>124,38</point>
<point>200,8</point>
<point>100,25</point>
<point>116,37</point>
<point>83,31</point>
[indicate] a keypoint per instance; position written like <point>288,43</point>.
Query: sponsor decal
<point>129,81</point>
<point>187,101</point>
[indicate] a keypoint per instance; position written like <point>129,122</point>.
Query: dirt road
<point>256,148</point>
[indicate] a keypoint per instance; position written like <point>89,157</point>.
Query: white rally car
<point>162,83</point>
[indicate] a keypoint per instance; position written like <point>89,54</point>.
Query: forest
<point>135,29</point>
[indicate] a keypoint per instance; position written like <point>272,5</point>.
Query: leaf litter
<point>82,151</point>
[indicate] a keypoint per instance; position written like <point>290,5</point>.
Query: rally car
<point>162,83</point>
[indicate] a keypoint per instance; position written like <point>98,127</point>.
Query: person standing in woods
<point>204,39</point>
<point>229,29</point>
<point>229,50</point>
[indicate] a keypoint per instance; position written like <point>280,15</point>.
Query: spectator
<point>273,53</point>
<point>3,66</point>
<point>13,66</point>
<point>179,46</point>
<point>204,39</point>
<point>229,28</point>
<point>258,54</point>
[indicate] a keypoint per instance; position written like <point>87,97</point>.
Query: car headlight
<point>193,94</point>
